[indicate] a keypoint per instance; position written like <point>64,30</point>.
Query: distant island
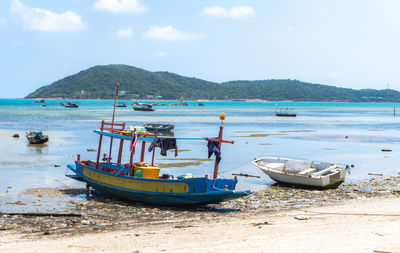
<point>99,82</point>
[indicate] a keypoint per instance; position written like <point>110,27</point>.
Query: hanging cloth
<point>164,144</point>
<point>134,142</point>
<point>213,147</point>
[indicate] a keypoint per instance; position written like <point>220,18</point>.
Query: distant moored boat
<point>285,112</point>
<point>70,105</point>
<point>37,137</point>
<point>143,107</point>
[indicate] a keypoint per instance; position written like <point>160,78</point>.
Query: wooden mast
<point>112,123</point>
<point>220,141</point>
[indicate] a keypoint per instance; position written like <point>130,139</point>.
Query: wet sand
<point>356,217</point>
<point>368,225</point>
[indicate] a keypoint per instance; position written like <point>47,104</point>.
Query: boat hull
<point>158,127</point>
<point>304,182</point>
<point>285,114</point>
<point>34,139</point>
<point>143,109</point>
<point>70,105</point>
<point>319,180</point>
<point>192,191</point>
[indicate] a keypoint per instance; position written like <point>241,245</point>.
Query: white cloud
<point>38,19</point>
<point>234,12</point>
<point>170,33</point>
<point>126,33</point>
<point>159,54</point>
<point>117,6</point>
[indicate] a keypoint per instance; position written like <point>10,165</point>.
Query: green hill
<point>100,81</point>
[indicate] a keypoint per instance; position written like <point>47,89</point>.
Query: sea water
<point>350,133</point>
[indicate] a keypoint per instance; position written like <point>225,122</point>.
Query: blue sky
<point>353,44</point>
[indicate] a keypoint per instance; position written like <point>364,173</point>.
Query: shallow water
<point>351,133</point>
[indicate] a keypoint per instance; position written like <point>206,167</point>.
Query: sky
<point>353,44</point>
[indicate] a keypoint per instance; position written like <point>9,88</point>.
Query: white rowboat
<point>302,172</point>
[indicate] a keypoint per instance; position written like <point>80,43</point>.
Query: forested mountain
<point>100,82</point>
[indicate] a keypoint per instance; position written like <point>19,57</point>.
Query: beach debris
<point>91,150</point>
<point>20,203</point>
<point>85,222</point>
<point>57,165</point>
<point>43,214</point>
<point>381,251</point>
<point>244,175</point>
<point>386,150</point>
<point>261,223</point>
<point>15,135</point>
<point>375,174</point>
<point>302,217</point>
<point>183,226</point>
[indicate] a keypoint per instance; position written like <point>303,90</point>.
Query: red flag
<point>134,142</point>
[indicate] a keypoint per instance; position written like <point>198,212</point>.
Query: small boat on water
<point>142,182</point>
<point>302,173</point>
<point>37,137</point>
<point>121,105</point>
<point>70,104</point>
<point>285,112</point>
<point>143,107</point>
<point>40,101</point>
<point>158,127</point>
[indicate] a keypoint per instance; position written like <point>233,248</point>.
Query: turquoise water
<point>352,133</point>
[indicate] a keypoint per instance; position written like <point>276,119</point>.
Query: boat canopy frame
<point>115,130</point>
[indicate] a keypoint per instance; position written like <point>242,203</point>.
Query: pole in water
<point>115,104</point>
<point>394,111</point>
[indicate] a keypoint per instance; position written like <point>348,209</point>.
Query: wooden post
<point>131,158</point>
<point>221,130</point>
<point>220,141</point>
<point>121,145</point>
<point>99,148</point>
<point>131,164</point>
<point>154,150</point>
<point>143,150</point>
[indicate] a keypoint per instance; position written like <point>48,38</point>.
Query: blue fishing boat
<point>141,182</point>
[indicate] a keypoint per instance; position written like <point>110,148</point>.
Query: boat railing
<point>112,128</point>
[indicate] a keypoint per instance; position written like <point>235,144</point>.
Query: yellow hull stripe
<point>138,185</point>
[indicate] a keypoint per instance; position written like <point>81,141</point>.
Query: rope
<point>234,167</point>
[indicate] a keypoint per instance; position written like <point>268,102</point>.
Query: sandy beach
<point>360,225</point>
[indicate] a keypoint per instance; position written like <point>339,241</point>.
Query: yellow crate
<point>148,172</point>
